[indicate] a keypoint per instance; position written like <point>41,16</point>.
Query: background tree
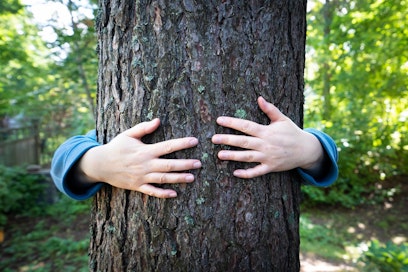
<point>188,63</point>
<point>358,67</point>
<point>52,80</point>
<point>21,60</point>
<point>73,72</point>
<point>78,41</point>
<point>10,6</point>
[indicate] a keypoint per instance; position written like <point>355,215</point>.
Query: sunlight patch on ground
<point>399,239</point>
<point>311,264</point>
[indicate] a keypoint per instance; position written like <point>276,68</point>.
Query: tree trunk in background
<point>188,62</point>
<point>327,14</point>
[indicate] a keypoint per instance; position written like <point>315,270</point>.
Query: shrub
<point>386,258</point>
<point>19,192</point>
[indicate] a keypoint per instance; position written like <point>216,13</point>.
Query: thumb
<point>270,110</point>
<point>143,129</point>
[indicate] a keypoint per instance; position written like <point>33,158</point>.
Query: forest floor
<point>355,228</point>
<point>58,242</point>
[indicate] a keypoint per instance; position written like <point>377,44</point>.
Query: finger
<point>259,170</point>
<point>241,141</point>
<point>174,165</point>
<point>143,129</point>
<point>170,146</point>
<point>150,190</point>
<point>245,126</point>
<point>273,113</point>
<point>169,178</point>
<point>240,156</point>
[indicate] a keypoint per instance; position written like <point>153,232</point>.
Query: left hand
<point>279,146</point>
<point>128,163</point>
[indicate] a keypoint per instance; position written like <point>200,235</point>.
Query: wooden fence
<point>19,146</point>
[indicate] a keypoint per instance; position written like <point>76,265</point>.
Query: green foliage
<point>357,92</point>
<point>22,63</point>
<point>53,81</point>
<point>19,192</point>
<point>66,209</point>
<point>385,258</point>
<point>10,6</point>
<point>51,243</point>
<point>70,94</point>
<point>60,254</point>
<point>341,193</point>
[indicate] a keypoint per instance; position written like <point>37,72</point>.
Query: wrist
<point>79,178</point>
<point>313,154</point>
<point>89,167</point>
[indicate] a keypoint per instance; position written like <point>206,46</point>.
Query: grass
<point>321,240</point>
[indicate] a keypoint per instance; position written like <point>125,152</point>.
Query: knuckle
<point>245,127</point>
<point>154,194</point>
<point>168,167</point>
<point>168,147</point>
<point>245,143</point>
<point>249,158</point>
<point>150,193</point>
<point>162,178</point>
<point>146,192</point>
<point>247,175</point>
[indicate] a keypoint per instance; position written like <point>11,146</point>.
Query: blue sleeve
<point>66,156</point>
<point>330,170</point>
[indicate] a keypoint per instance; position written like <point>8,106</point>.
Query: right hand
<point>279,146</point>
<point>128,163</point>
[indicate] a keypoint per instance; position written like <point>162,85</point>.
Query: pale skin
<point>279,146</point>
<point>128,163</point>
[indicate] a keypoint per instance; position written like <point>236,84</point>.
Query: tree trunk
<point>188,62</point>
<point>327,14</point>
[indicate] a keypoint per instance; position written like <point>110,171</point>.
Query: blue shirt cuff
<point>330,172</point>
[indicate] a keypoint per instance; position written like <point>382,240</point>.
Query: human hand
<point>279,146</point>
<point>127,163</point>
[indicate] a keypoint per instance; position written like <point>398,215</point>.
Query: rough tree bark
<point>188,62</point>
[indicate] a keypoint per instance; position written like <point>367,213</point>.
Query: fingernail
<point>223,155</point>
<point>172,194</point>
<point>194,141</point>
<point>215,139</point>
<point>197,165</point>
<point>220,120</point>
<point>189,178</point>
